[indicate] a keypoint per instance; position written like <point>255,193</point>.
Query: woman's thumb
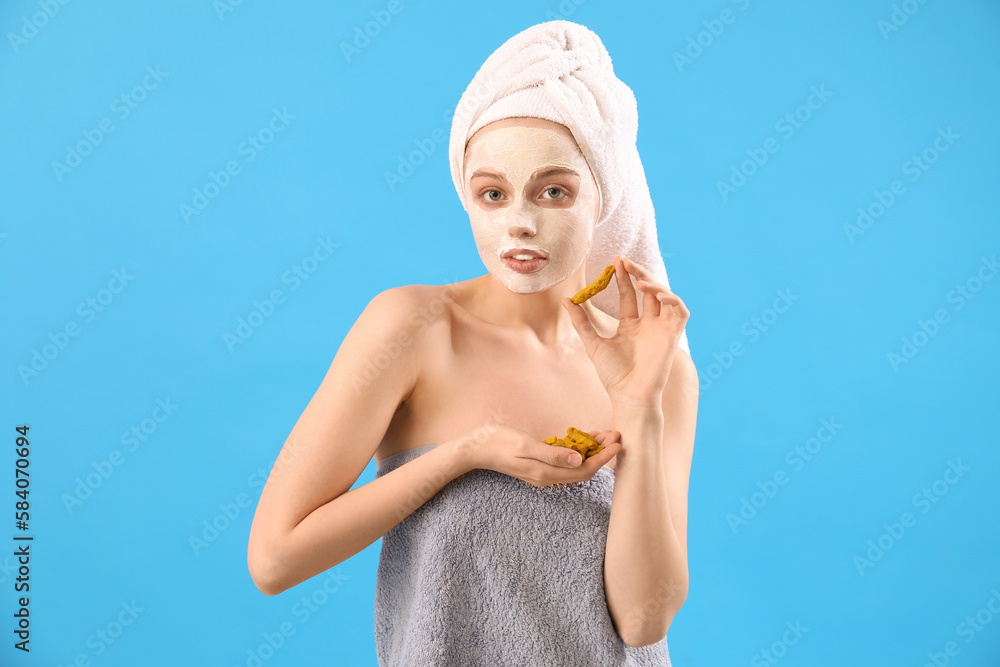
<point>584,327</point>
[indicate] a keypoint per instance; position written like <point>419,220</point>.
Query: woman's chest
<point>472,379</point>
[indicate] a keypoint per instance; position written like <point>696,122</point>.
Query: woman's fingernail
<point>572,458</point>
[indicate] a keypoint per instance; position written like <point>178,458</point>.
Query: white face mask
<point>554,214</point>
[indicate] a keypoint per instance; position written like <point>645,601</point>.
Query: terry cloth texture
<point>494,571</point>
<point>561,71</point>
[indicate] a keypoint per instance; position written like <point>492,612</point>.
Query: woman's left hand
<point>633,365</point>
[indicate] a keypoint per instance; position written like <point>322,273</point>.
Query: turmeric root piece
<point>593,288</point>
<point>578,440</point>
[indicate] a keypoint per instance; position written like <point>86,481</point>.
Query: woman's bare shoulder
<point>417,295</point>
<point>416,307</point>
<point>434,297</point>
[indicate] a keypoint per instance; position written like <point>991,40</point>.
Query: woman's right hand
<point>515,452</point>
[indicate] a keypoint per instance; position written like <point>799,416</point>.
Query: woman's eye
<point>558,190</point>
<point>491,192</point>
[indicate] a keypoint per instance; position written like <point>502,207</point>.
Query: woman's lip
<point>511,253</point>
<point>524,267</point>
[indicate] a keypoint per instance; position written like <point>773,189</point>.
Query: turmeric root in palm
<point>578,440</point>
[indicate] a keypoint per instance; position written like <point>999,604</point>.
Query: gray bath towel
<point>493,571</point>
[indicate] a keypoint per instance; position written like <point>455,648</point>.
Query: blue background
<point>826,356</point>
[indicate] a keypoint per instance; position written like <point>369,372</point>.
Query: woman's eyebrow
<point>550,171</point>
<point>542,172</point>
<point>487,173</point>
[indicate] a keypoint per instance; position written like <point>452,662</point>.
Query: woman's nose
<point>521,222</point>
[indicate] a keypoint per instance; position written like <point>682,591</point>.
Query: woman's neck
<point>539,314</point>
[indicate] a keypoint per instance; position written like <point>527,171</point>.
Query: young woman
<point>499,549</point>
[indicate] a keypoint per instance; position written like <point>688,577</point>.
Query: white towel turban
<point>560,71</point>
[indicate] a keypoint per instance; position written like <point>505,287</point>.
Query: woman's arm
<point>645,563</point>
<point>344,526</point>
<point>308,518</point>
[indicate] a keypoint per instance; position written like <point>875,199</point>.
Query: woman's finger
<point>554,455</point>
<point>650,304</point>
<point>669,302</point>
<point>587,469</point>
<point>584,327</point>
<point>651,286</point>
<point>598,435</point>
<point>673,313</point>
<point>651,289</point>
<point>638,270</point>
<point>626,293</point>
<point>594,463</point>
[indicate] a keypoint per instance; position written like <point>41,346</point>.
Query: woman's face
<point>530,189</point>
